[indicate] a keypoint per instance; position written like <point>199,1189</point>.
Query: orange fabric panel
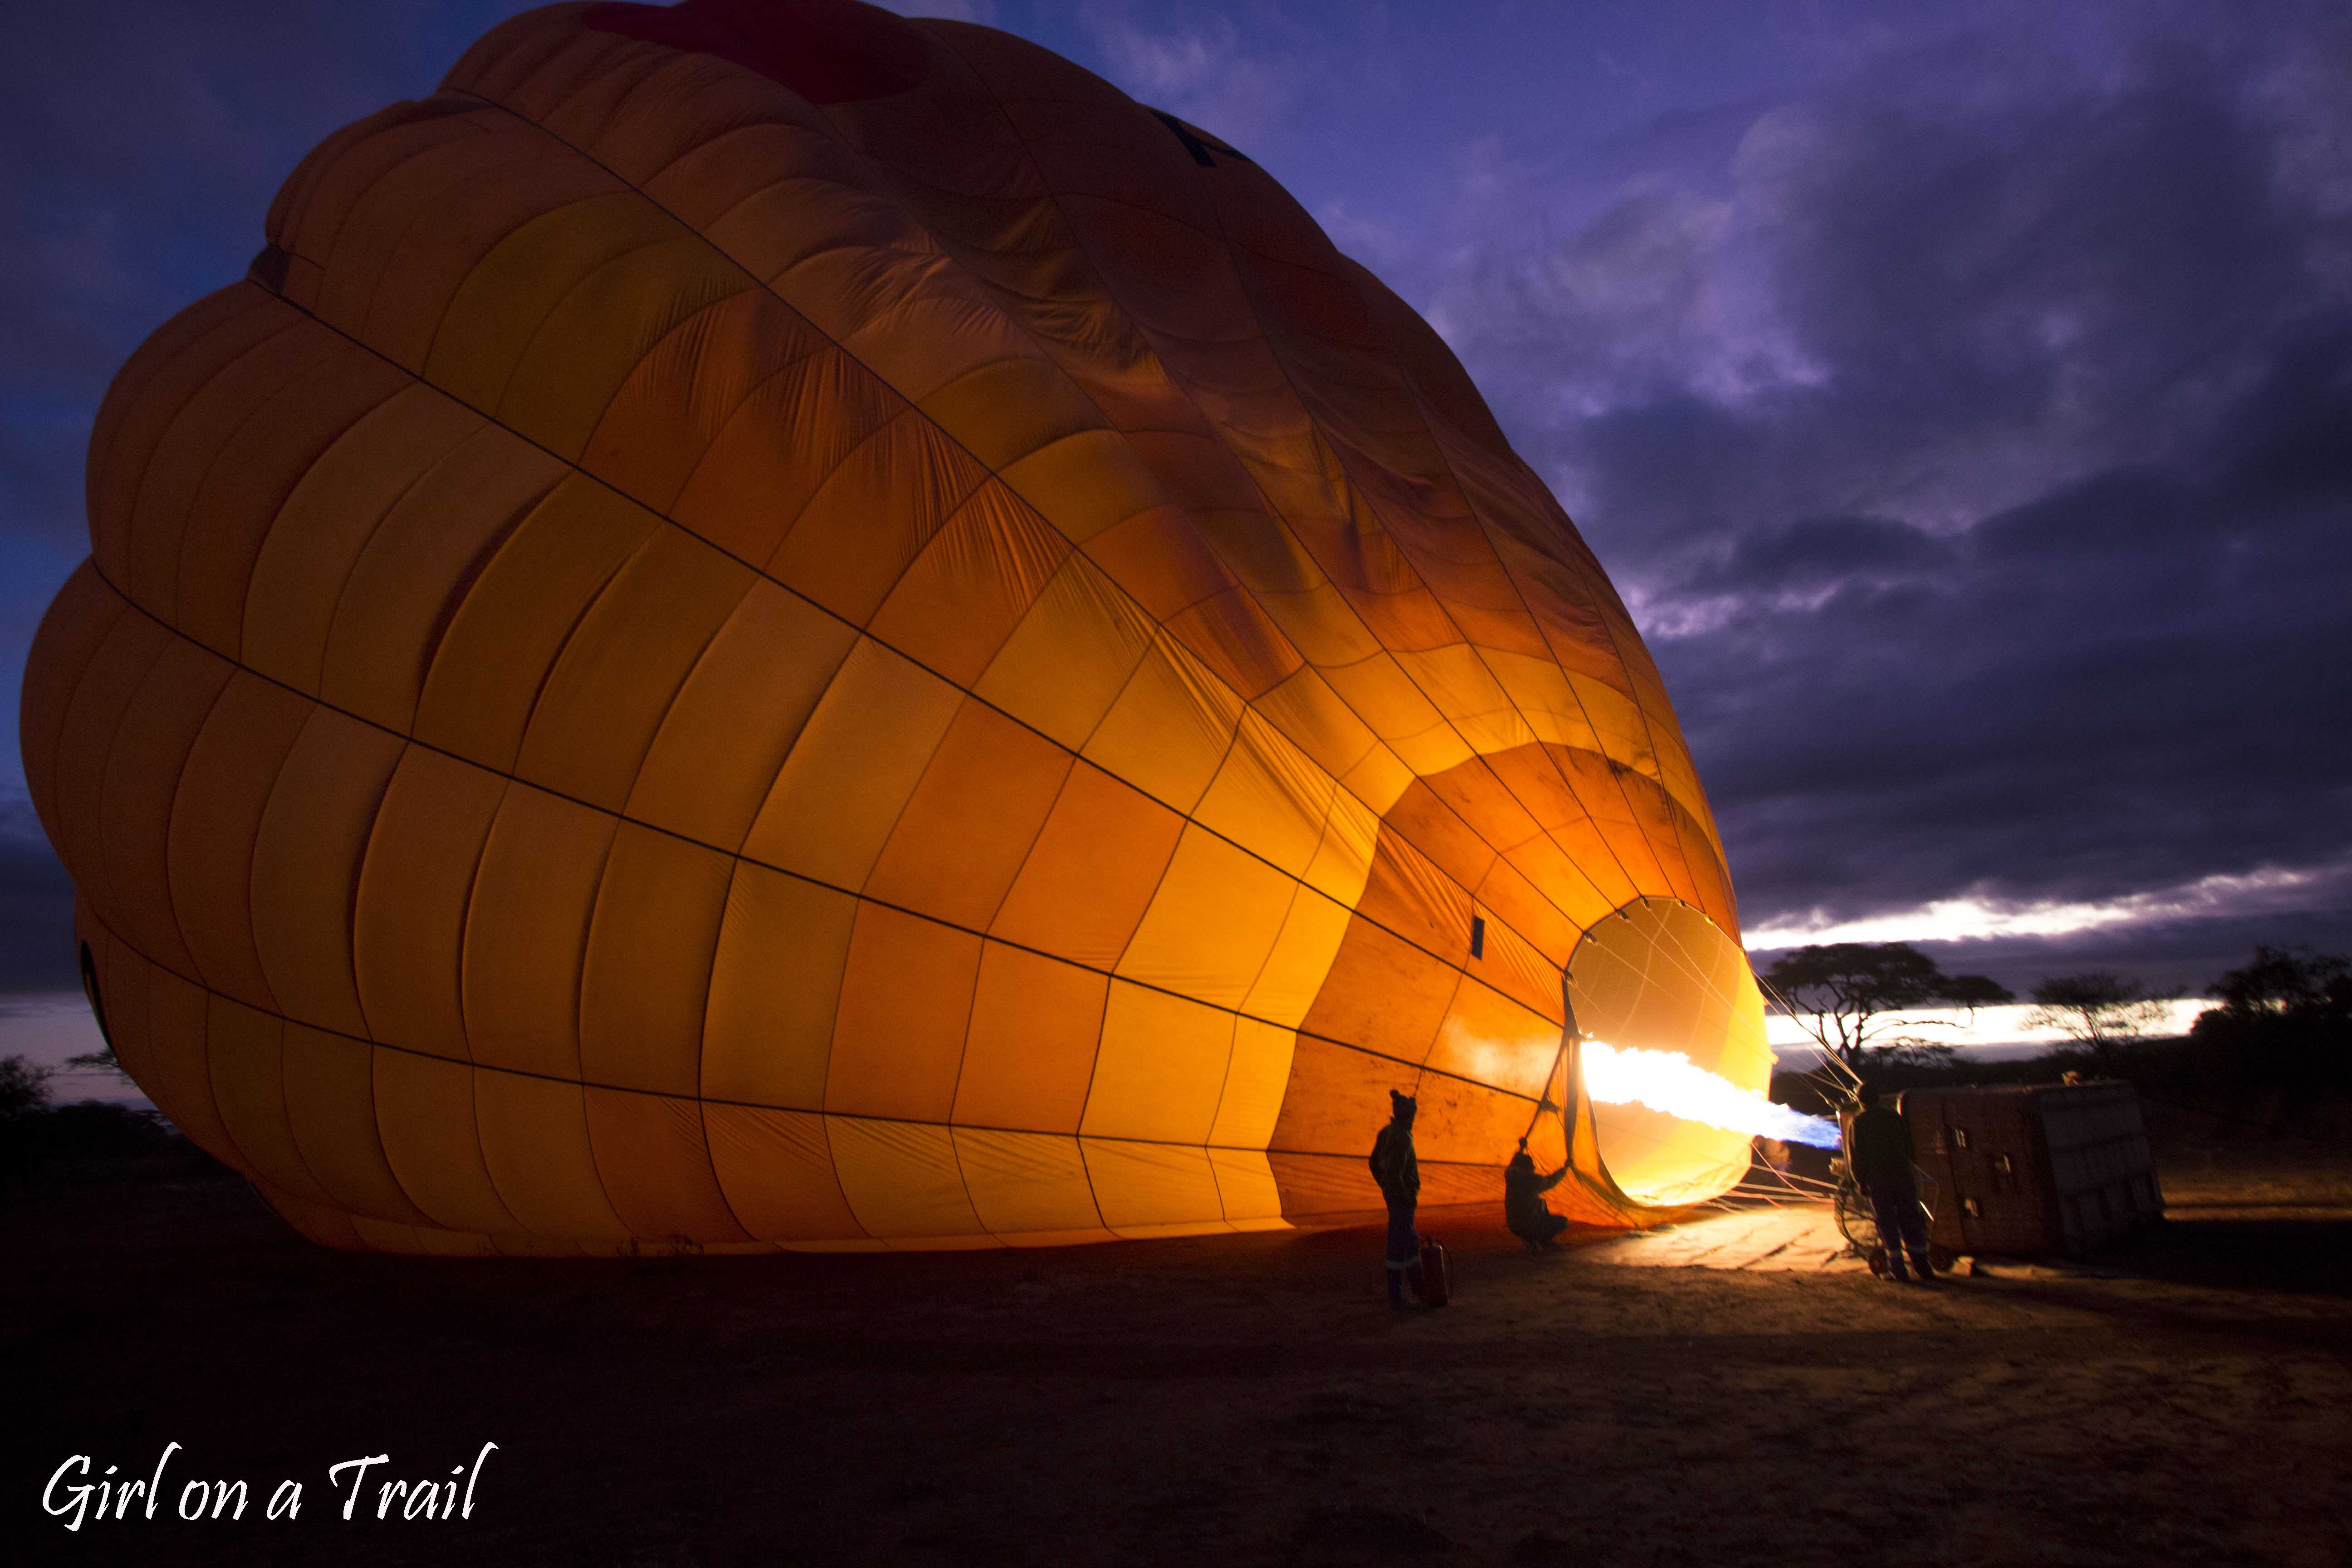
<point>506,626</point>
<point>299,570</point>
<point>1029,1051</point>
<point>874,515</point>
<point>215,820</point>
<point>330,1088</point>
<point>650,950</point>
<point>775,984</point>
<point>955,605</point>
<point>144,770</point>
<point>306,866</point>
<point>657,1168</point>
<point>735,718</point>
<point>1383,995</point>
<point>526,932</point>
<point>246,1050</point>
<point>972,820</point>
<point>424,1111</point>
<point>412,575</point>
<point>595,716</point>
<point>408,929</point>
<point>77,624</point>
<point>1092,872</point>
<point>776,1169</point>
<point>906,1002</point>
<point>250,478</point>
<point>103,690</point>
<point>535,1145</point>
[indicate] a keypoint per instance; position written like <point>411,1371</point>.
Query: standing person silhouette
<point>1880,1156</point>
<point>1398,1172</point>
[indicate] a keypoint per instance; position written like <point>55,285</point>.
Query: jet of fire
<point>1670,1081</point>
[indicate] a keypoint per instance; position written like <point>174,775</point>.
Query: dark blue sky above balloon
<point>1960,396</point>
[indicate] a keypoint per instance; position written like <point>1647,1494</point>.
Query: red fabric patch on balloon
<point>828,51</point>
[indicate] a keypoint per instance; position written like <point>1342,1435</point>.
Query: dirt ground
<point>1242,1399</point>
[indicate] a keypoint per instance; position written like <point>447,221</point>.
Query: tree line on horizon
<point>2283,1021</point>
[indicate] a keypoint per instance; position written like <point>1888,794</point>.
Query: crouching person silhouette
<point>1524,1210</point>
<point>1399,1174</point>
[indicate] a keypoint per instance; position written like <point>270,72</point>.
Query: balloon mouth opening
<point>1672,1055</point>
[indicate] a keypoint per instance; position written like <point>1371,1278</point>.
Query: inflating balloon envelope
<point>767,625</point>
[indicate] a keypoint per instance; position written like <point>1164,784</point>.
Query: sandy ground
<point>1682,1398</point>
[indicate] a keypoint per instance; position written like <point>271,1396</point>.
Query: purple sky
<point>1960,395</point>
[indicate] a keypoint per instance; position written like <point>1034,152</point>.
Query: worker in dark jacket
<point>1524,1210</point>
<point>1399,1174</point>
<point>1879,1154</point>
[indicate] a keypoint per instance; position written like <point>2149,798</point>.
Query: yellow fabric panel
<point>1029,1051</point>
<point>736,717</point>
<point>1312,715</point>
<point>1092,871</point>
<point>1160,1069</point>
<point>657,1168</point>
<point>954,607</point>
<point>526,931</point>
<point>901,1179</point>
<point>396,601</point>
<point>906,1002</point>
<point>858,757</point>
<point>1269,797</point>
<point>1211,924</point>
<point>408,927</point>
<point>776,982</point>
<point>971,819</point>
<point>1027,1181</point>
<point>1255,1078</point>
<point>1070,656</point>
<point>1294,970</point>
<point>511,620</point>
<point>1169,732</point>
<point>651,945</point>
<point>776,1169</point>
<point>596,713</point>
<point>1153,1189</point>
<point>216,818</point>
<point>245,1051</point>
<point>333,511</point>
<point>424,1111</point>
<point>330,1087</point>
<point>144,770</point>
<point>306,863</point>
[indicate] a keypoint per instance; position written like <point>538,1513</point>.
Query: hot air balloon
<point>764,625</point>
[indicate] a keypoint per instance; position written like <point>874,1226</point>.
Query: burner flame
<point>1670,1081</point>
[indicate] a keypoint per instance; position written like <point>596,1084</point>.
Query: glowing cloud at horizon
<point>1671,1082</point>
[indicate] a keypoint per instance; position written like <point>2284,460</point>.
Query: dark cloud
<point>1978,467</point>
